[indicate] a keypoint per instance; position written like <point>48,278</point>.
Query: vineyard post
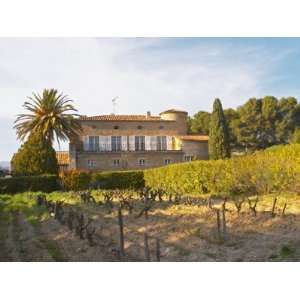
<point>218,223</point>
<point>283,210</point>
<point>121,227</point>
<point>146,246</point>
<point>273,207</point>
<point>224,223</point>
<point>157,249</point>
<point>55,209</point>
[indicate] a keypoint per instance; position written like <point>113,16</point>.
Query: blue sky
<point>145,73</point>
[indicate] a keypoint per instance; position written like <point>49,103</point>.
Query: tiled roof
<point>194,138</point>
<point>63,157</point>
<point>173,111</point>
<point>121,118</point>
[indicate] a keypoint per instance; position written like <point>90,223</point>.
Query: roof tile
<point>121,118</point>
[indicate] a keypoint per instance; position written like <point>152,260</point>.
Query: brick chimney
<point>148,114</point>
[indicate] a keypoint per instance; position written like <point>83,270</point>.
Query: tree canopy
<point>35,157</point>
<point>51,114</point>
<point>257,124</point>
<point>218,133</point>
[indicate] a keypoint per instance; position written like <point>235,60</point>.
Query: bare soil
<point>186,233</point>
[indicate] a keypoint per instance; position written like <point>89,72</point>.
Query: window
<point>167,161</point>
<point>161,127</point>
<point>116,162</point>
<point>140,127</point>
<point>116,127</point>
<point>116,143</point>
<point>161,143</point>
<point>141,162</point>
<point>188,158</point>
<point>140,143</point>
<point>91,164</point>
<point>93,143</point>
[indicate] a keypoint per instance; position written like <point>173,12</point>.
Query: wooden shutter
<point>147,143</point>
<point>169,143</point>
<point>131,143</point>
<point>102,143</point>
<point>153,143</point>
<point>86,143</point>
<point>108,138</point>
<point>124,143</point>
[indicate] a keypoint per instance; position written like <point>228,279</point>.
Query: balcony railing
<point>125,148</point>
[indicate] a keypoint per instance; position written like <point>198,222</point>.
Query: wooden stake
<point>283,210</point>
<point>224,224</point>
<point>157,250</point>
<point>120,221</point>
<point>146,246</point>
<point>273,207</point>
<point>218,223</point>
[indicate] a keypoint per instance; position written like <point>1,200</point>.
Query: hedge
<point>276,169</point>
<point>119,180</point>
<point>78,180</point>
<point>13,185</point>
<point>75,180</point>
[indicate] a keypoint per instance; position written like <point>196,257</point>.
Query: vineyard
<point>239,209</point>
<point>142,225</point>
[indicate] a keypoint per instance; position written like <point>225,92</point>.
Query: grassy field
<point>187,230</point>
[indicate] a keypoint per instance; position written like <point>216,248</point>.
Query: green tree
<point>200,122</point>
<point>219,147</point>
<point>35,157</point>
<point>269,114</point>
<point>295,138</point>
<point>288,119</point>
<point>249,130</point>
<point>51,114</point>
<point>232,118</point>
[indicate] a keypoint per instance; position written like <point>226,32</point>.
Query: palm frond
<point>52,114</point>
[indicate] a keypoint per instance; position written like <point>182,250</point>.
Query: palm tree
<point>51,114</point>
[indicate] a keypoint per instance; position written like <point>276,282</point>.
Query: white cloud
<point>146,74</point>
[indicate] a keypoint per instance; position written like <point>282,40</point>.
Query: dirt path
<point>47,241</point>
<point>75,249</point>
<point>19,240</point>
<point>6,252</point>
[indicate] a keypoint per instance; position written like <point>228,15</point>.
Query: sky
<point>146,74</point>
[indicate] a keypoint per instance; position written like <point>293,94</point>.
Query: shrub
<point>13,185</point>
<point>35,157</point>
<point>118,180</point>
<point>75,180</point>
<point>273,170</point>
<point>79,180</point>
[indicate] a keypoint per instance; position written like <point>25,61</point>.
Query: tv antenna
<point>114,104</point>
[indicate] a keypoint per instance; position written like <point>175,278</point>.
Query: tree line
<point>257,124</point>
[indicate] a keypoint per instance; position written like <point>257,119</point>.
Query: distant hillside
<point>5,165</point>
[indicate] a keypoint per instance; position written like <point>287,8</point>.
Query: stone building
<point>126,142</point>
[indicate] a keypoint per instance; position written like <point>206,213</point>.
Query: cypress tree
<point>35,157</point>
<point>218,133</point>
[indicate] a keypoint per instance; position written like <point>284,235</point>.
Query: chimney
<point>148,114</point>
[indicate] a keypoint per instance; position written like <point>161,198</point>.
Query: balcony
<point>108,148</point>
<point>108,144</point>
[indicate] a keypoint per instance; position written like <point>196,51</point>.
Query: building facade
<point>125,142</point>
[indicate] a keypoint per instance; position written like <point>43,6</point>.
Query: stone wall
<point>197,149</point>
<point>170,124</point>
<point>128,160</point>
